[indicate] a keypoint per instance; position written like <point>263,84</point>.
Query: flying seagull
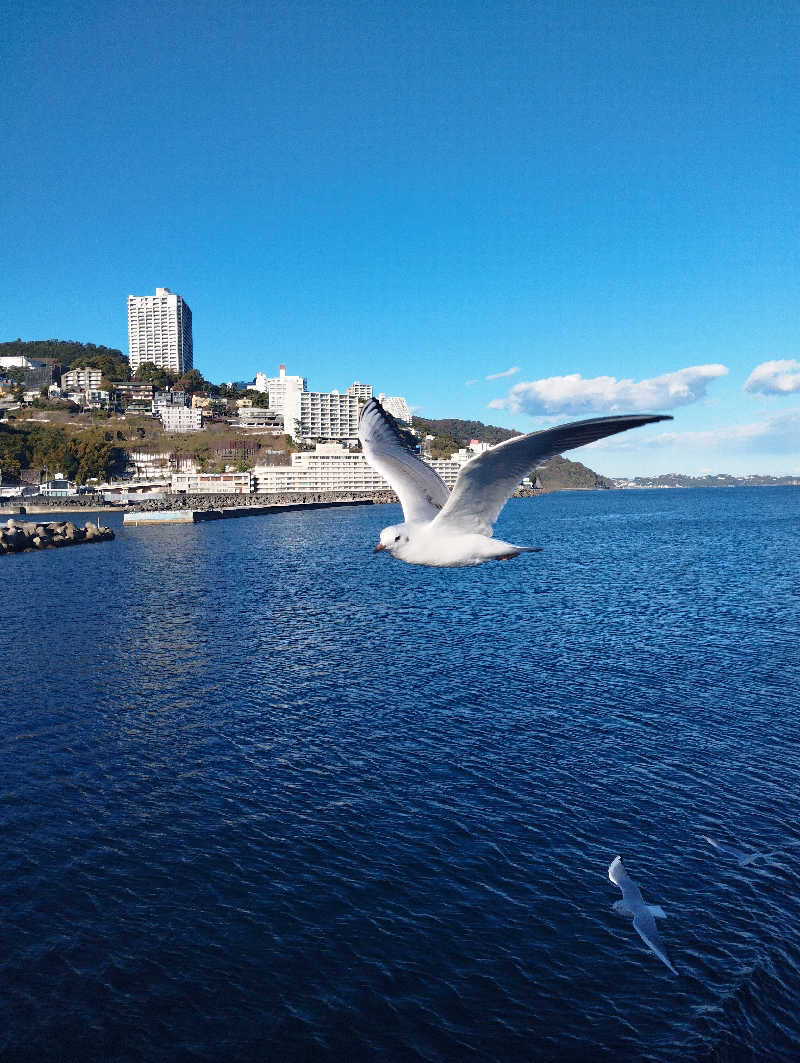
<point>454,529</point>
<point>742,857</point>
<point>644,915</point>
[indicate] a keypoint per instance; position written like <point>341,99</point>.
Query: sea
<point>266,795</point>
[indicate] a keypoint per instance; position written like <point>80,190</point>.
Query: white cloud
<point>470,383</point>
<point>606,394</point>
<point>777,434</point>
<point>781,377</point>
<point>506,372</point>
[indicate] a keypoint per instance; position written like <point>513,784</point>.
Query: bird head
<point>392,538</point>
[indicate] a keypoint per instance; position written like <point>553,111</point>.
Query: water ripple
<point>276,798</point>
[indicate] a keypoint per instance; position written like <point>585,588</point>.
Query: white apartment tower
<point>160,331</point>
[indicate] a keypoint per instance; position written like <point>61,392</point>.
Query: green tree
<point>150,373</point>
<point>258,398</point>
<point>191,382</point>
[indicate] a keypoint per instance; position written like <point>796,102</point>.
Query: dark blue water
<point>267,796</point>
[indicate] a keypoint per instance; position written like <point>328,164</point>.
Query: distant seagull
<point>644,915</point>
<point>743,858</point>
<point>453,529</point>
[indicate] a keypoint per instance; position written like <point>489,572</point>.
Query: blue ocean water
<point>266,795</point>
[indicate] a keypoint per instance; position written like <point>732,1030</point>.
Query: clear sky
<point>600,201</point>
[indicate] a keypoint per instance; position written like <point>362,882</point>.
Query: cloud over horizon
<point>779,377</point>
<point>606,394</point>
<point>773,434</point>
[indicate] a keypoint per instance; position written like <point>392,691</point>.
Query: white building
<point>449,468</point>
<point>58,487</point>
<point>281,389</point>
<point>163,400</point>
<point>181,419</point>
<point>284,396</point>
<point>330,467</point>
<point>94,399</point>
<point>160,331</point>
<point>333,467</point>
<point>85,379</point>
<point>327,415</point>
<point>17,361</point>
<point>362,392</point>
<point>147,465</point>
<point>212,483</point>
<point>259,417</point>
<point>397,406</point>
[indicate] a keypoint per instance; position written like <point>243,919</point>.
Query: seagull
<point>644,915</point>
<point>743,858</point>
<point>447,529</point>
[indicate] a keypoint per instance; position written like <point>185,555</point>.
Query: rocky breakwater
<point>16,535</point>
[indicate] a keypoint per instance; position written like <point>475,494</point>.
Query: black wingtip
<point>374,406</point>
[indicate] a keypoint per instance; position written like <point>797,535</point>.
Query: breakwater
<point>199,503</point>
<point>156,517</point>
<point>17,536</point>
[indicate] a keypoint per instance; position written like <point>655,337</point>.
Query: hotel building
<point>160,331</point>
<point>85,379</point>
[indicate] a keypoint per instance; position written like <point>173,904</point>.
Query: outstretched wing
<point>645,926</point>
<point>486,482</point>
<point>421,490</point>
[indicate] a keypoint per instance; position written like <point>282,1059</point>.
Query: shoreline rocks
<point>19,535</point>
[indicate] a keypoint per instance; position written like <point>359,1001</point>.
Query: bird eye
<point>397,538</point>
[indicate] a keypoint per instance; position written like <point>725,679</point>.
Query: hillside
<point>71,354</point>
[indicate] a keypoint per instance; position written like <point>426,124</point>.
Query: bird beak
<point>378,548</point>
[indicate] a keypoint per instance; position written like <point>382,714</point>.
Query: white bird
<point>644,915</point>
<point>453,529</point>
<point>742,857</point>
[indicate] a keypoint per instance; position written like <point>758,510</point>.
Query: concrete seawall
<point>156,517</point>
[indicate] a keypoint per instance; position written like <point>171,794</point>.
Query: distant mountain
<point>561,474</point>
<point>679,479</point>
<point>558,474</point>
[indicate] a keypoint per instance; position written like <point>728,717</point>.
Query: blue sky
<point>424,196</point>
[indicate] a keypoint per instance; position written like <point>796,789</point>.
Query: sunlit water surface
<point>266,795</point>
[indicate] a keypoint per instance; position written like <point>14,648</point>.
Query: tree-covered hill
<point>455,428</point>
<point>46,450</point>
<point>71,354</point>
<point>561,474</point>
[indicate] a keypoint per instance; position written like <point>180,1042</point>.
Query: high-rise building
<point>327,415</point>
<point>160,331</point>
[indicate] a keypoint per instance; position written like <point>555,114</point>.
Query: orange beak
<point>378,548</point>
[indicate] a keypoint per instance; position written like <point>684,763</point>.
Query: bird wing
<point>421,490</point>
<point>645,926</point>
<point>486,482</point>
